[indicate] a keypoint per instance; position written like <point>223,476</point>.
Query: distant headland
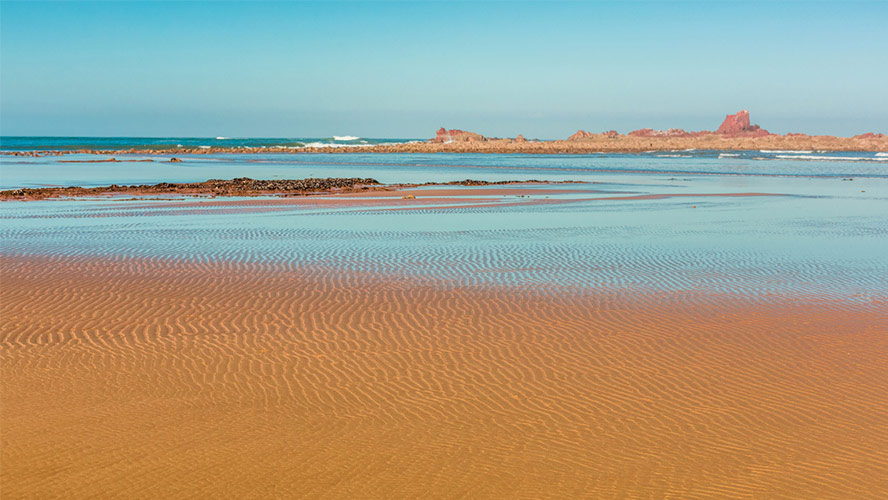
<point>735,133</point>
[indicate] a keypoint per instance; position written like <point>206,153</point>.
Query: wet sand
<point>165,378</point>
<point>362,194</point>
<point>697,337</point>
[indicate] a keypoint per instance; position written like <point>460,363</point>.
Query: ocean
<point>819,219</point>
<point>28,143</point>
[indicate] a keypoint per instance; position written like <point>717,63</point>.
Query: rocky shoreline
<point>587,145</point>
<point>242,186</point>
<point>736,133</point>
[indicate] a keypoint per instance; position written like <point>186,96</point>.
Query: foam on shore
<point>831,158</point>
<point>784,151</point>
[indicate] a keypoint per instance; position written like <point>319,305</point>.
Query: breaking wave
<point>333,145</point>
<point>834,158</point>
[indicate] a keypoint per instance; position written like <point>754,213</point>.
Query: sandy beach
<point>156,378</point>
<point>462,251</point>
<point>482,340</point>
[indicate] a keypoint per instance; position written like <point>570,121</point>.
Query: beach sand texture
<point>165,378</point>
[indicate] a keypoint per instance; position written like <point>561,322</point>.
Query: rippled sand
<point>633,336</point>
<point>166,378</point>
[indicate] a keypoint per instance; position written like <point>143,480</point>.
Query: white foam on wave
<point>728,155</point>
<point>675,156</point>
<point>204,147</point>
<point>784,151</point>
<point>834,158</point>
<point>881,154</point>
<point>345,138</point>
<point>329,145</point>
<point>220,138</point>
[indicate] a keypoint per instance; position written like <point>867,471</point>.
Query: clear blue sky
<point>399,69</point>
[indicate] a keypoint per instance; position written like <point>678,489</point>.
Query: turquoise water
<point>22,143</point>
<point>822,236</point>
<point>16,172</point>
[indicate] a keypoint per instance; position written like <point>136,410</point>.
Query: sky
<point>403,69</point>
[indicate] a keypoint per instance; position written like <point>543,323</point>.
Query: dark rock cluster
<point>242,186</point>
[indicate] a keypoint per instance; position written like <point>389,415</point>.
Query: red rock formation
<point>581,134</point>
<point>610,134</point>
<point>870,135</point>
<point>442,135</point>
<point>738,125</point>
<point>735,123</point>
<point>520,138</point>
<point>642,132</point>
<point>456,135</point>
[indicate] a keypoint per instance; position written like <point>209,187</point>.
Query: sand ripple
<point>463,344</point>
<point>627,259</point>
<point>147,377</point>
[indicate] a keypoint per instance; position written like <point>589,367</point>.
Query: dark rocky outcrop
<point>242,186</point>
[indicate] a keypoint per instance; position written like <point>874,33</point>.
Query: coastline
<point>736,133</point>
<point>585,145</point>
<point>425,250</point>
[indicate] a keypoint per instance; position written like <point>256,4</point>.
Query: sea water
<point>639,223</point>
